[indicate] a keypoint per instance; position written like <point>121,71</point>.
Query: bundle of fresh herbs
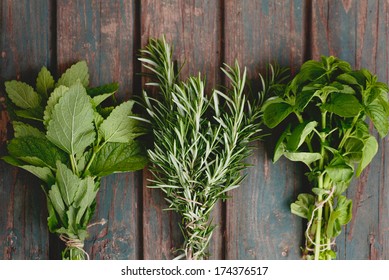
<point>200,143</point>
<point>323,110</point>
<point>64,136</point>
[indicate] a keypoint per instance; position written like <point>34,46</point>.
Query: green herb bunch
<point>323,112</point>
<point>64,136</point>
<point>200,143</point>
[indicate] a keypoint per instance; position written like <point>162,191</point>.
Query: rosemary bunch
<point>200,143</point>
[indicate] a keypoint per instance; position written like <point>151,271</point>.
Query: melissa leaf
<point>67,183</point>
<point>118,157</point>
<point>78,71</point>
<point>71,127</point>
<point>36,151</point>
<point>56,200</point>
<point>52,101</point>
<point>119,127</point>
<point>44,82</point>
<point>22,130</point>
<point>22,95</point>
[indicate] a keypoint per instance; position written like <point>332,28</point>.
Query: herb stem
<point>73,164</point>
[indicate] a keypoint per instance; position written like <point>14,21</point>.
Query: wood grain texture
<point>259,222</point>
<point>103,33</point>
<point>23,226</point>
<point>357,31</point>
<point>193,27</point>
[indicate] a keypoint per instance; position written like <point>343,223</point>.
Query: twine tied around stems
<point>74,243</point>
<point>318,205</point>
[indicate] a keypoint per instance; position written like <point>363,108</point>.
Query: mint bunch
<point>68,139</point>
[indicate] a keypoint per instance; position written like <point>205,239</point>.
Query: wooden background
<point>256,223</point>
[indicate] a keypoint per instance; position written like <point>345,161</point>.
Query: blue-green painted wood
<point>259,222</point>
<point>129,221</point>
<point>25,45</point>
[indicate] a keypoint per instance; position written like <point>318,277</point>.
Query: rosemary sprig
<point>200,143</point>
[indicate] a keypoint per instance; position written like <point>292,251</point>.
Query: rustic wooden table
<point>256,223</point>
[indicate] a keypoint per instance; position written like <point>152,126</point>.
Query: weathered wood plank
<point>193,27</point>
<point>24,49</point>
<point>103,33</point>
<point>259,222</point>
<point>357,31</point>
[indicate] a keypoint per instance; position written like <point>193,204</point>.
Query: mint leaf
<point>118,157</point>
<point>22,95</point>
<point>71,127</point>
<point>78,71</point>
<point>119,127</point>
<point>44,82</point>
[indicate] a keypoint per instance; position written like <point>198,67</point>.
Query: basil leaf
<point>299,135</point>
<point>71,127</point>
<point>303,206</point>
<point>275,113</point>
<point>368,152</point>
<point>344,105</point>
<point>379,117</point>
<point>340,172</point>
<point>306,158</point>
<point>78,71</point>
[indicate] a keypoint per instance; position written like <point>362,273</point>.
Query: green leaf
<point>340,172</point>
<point>85,196</point>
<point>43,173</point>
<point>52,101</point>
<point>56,200</point>
<point>97,100</point>
<point>305,96</point>
<point>378,115</point>
<point>275,113</point>
<point>52,220</point>
<point>347,78</point>
<point>306,158</point>
<point>369,150</point>
<point>302,207</point>
<point>280,145</point>
<point>353,148</point>
<point>22,130</point>
<point>345,208</point>
<point>35,114</point>
<point>67,183</point>
<point>36,151</point>
<point>118,157</point>
<point>299,135</point>
<point>311,70</point>
<point>78,71</point>
<point>119,127</point>
<point>344,105</point>
<point>22,95</point>
<point>44,82</point>
<point>71,127</point>
<point>109,88</point>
